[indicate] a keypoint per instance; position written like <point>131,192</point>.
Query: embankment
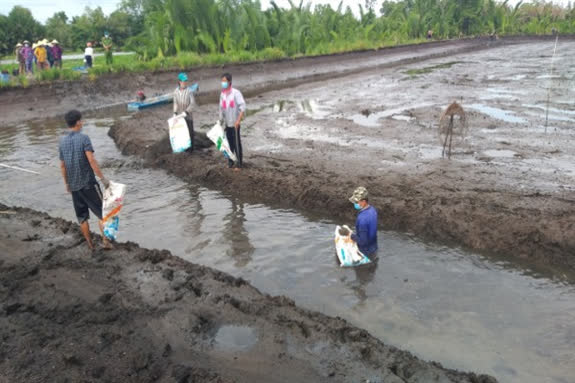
<point>137,315</point>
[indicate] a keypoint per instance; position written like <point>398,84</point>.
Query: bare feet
<point>106,245</point>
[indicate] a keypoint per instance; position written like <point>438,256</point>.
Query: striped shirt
<point>231,105</point>
<point>73,148</point>
<point>184,101</point>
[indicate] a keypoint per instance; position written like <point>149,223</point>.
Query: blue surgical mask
<point>356,206</point>
<point>224,85</point>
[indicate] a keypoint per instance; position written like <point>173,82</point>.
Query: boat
<point>157,100</point>
<point>81,69</point>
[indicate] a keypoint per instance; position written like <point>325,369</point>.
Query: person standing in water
<point>366,223</point>
<point>232,110</point>
<point>184,102</point>
<point>78,166</point>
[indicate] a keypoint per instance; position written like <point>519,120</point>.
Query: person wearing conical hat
<point>49,56</point>
<point>57,54</point>
<point>41,56</point>
<point>366,223</point>
<point>21,60</point>
<point>28,55</point>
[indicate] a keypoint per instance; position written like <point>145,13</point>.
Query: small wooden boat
<point>81,69</point>
<point>157,100</point>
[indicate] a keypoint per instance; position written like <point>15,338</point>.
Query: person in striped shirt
<point>232,110</point>
<point>184,102</point>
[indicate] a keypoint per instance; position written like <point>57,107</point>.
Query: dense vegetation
<point>161,28</point>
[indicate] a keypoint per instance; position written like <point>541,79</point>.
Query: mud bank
<point>48,100</point>
<point>440,205</point>
<point>137,315</point>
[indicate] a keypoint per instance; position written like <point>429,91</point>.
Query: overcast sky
<point>42,9</point>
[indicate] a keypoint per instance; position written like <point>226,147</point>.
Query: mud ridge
<point>138,315</point>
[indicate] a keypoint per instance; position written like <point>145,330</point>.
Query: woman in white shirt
<point>232,109</point>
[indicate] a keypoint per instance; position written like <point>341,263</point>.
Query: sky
<point>43,9</point>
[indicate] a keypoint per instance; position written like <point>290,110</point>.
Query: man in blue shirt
<point>78,167</point>
<point>366,224</point>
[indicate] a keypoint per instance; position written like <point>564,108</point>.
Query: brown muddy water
<point>461,309</point>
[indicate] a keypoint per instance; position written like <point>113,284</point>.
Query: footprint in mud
<point>31,238</point>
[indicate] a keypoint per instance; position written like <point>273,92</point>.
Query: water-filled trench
<point>464,310</point>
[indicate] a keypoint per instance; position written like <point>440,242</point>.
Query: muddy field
<point>45,100</point>
<point>316,129</point>
<point>509,187</point>
<point>135,315</point>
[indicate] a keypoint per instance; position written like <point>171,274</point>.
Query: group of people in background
<point>45,54</point>
<point>42,55</point>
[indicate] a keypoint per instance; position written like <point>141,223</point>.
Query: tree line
<point>159,28</point>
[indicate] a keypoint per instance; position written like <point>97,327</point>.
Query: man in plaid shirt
<point>78,167</point>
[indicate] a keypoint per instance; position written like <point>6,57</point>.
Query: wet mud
<point>138,315</point>
<point>116,89</point>
<point>507,189</point>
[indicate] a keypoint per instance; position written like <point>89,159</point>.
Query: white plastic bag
<point>347,251</point>
<point>179,134</point>
<point>111,205</point>
<point>218,136</point>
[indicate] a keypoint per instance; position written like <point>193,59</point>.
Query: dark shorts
<point>86,199</point>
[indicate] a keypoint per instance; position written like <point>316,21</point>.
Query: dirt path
<point>48,100</point>
<point>137,315</point>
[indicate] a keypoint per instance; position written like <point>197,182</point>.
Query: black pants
<point>88,61</point>
<point>190,124</point>
<point>86,199</point>
<point>235,141</point>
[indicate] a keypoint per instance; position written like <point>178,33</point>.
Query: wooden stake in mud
<point>453,122</point>
<point>550,83</point>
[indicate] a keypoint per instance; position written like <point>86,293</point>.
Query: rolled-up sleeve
<point>175,101</point>
<point>191,104</point>
<point>240,102</point>
<point>88,144</point>
<point>221,112</point>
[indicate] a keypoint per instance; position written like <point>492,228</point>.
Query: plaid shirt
<point>78,170</point>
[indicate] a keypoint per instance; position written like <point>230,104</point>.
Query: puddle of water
<point>401,117</point>
<point>235,338</point>
<point>372,120</point>
<point>499,153</point>
<point>497,113</point>
<point>434,301</point>
<point>304,132</point>
<point>313,109</point>
<point>429,69</point>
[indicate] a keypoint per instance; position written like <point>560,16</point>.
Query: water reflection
<point>235,233</point>
<point>364,275</point>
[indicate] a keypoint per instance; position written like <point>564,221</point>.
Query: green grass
<point>189,60</point>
